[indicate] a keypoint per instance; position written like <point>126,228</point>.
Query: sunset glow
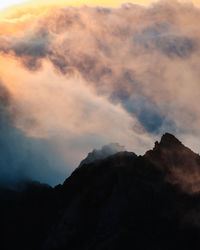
<point>100,124</point>
<point>21,10</point>
<point>74,69</point>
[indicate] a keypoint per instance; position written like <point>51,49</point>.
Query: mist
<point>84,77</point>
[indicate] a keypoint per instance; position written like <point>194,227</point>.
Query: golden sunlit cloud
<point>90,75</point>
<point>36,7</point>
<point>22,9</point>
<point>17,4</point>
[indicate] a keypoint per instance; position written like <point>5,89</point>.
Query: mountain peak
<point>169,140</point>
<point>104,152</point>
<point>125,193</point>
<point>180,163</point>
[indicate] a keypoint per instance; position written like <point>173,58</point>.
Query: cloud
<point>158,37</point>
<point>103,153</point>
<point>87,76</point>
<point>21,157</point>
<point>55,123</point>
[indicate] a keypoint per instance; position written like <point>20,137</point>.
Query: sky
<point>10,3</point>
<point>75,77</point>
<point>111,3</point>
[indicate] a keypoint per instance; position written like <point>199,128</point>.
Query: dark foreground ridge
<point>123,202</point>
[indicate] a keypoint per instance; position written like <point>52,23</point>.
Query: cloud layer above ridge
<point>87,76</point>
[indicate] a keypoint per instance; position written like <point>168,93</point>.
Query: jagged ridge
<point>180,164</point>
<point>121,202</point>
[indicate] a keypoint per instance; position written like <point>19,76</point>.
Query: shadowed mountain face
<point>121,202</point>
<point>180,164</point>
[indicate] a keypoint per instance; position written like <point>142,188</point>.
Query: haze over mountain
<point>77,75</point>
<point>74,78</point>
<point>102,153</point>
<point>121,202</point>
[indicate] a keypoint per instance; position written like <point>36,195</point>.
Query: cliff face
<point>121,202</point>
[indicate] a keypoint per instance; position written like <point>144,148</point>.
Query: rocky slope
<point>121,202</point>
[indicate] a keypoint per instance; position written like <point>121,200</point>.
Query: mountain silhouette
<point>123,201</point>
<point>180,164</point>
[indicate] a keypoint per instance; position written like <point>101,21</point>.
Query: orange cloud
<point>15,19</point>
<point>83,71</point>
